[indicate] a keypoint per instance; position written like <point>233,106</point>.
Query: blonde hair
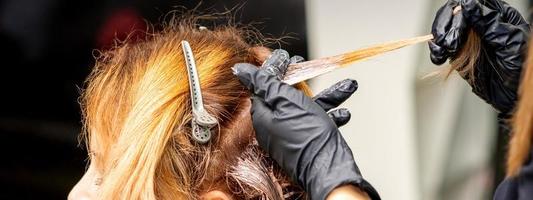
<point>137,112</point>
<point>464,62</point>
<point>466,59</point>
<point>522,121</point>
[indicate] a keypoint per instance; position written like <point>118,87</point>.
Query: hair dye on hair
<point>137,113</point>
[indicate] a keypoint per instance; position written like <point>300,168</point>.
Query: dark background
<point>47,52</point>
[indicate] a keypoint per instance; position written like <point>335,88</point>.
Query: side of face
<point>87,186</point>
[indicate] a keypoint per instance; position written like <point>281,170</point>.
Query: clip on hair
<point>202,121</point>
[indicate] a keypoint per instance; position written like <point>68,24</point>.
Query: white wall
<point>381,132</point>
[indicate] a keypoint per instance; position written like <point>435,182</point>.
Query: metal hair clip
<point>202,121</point>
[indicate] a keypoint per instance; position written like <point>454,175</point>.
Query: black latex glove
<point>299,135</point>
<point>329,98</point>
<point>504,34</point>
<point>333,97</point>
<point>449,32</point>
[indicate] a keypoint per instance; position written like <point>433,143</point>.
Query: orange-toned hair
<point>464,62</point>
<point>522,121</point>
<point>137,115</point>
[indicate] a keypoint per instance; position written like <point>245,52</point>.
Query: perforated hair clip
<point>202,121</point>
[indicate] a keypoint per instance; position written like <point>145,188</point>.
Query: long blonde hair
<point>137,112</point>
<point>522,121</point>
<point>464,62</point>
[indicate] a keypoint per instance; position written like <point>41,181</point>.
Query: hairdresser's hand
<point>504,34</point>
<point>329,98</point>
<point>298,133</point>
<point>449,31</point>
<point>334,96</point>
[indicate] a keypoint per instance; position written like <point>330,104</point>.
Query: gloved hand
<point>333,97</point>
<point>328,99</point>
<point>449,31</point>
<point>298,133</point>
<point>504,34</point>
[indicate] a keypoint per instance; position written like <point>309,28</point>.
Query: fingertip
<point>344,112</point>
<point>435,48</point>
<point>469,7</point>
<point>277,63</point>
<point>297,59</point>
<point>437,60</point>
<point>241,68</point>
<point>453,3</point>
<point>245,72</point>
<point>340,116</point>
<point>281,52</point>
<point>349,85</point>
<point>336,94</point>
<point>437,54</point>
<point>277,58</point>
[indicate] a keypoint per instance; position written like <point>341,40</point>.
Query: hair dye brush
<point>306,70</point>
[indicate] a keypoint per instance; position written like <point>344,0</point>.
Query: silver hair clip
<point>202,121</point>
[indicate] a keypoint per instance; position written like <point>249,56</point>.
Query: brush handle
<point>299,72</point>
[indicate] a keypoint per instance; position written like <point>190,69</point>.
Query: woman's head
<point>137,115</point>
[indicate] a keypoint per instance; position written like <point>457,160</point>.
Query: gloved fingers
<point>443,21</point>
<point>479,16</point>
<point>455,38</point>
<point>335,95</point>
<point>246,73</point>
<point>438,54</point>
<point>449,31</point>
<point>340,116</point>
<point>513,16</point>
<point>278,95</point>
<point>261,115</point>
<point>277,63</point>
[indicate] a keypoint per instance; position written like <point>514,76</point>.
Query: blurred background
<point>413,138</point>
